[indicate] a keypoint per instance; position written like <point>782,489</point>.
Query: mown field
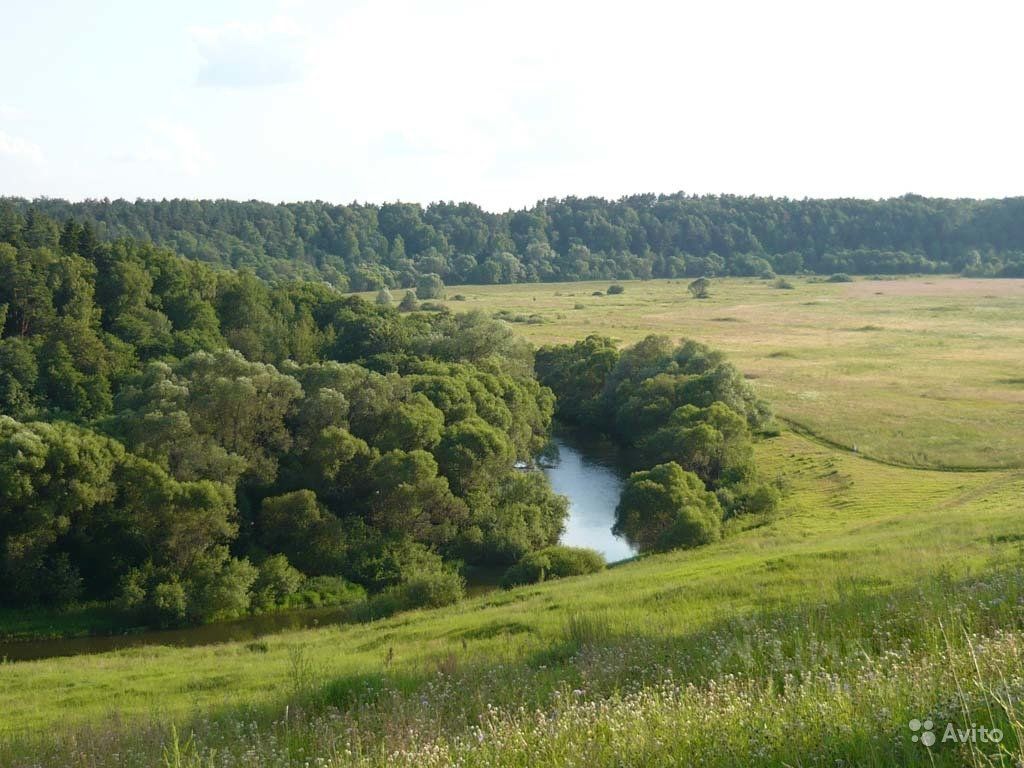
<point>877,593</point>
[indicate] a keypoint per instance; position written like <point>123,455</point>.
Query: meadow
<point>925,372</point>
<point>876,595</point>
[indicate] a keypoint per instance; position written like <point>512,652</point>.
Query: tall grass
<point>830,683</point>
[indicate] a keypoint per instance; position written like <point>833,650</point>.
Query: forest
<point>192,444</point>
<point>364,247</point>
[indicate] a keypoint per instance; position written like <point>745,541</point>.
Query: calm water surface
<point>589,472</point>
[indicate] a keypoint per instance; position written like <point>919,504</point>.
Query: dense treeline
<point>196,443</point>
<point>367,247</point>
<point>686,413</point>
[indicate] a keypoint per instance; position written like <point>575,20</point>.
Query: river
<point>586,470</point>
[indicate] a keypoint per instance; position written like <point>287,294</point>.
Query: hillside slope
<point>811,637</point>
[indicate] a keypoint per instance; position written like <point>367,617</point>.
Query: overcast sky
<point>506,103</point>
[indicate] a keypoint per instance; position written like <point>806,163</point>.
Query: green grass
<point>851,579</point>
<point>877,594</point>
<point>923,371</point>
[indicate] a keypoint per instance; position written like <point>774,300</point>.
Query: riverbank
<point>589,470</point>
<point>855,587</point>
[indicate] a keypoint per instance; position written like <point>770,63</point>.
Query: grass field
<point>877,593</point>
<point>923,371</point>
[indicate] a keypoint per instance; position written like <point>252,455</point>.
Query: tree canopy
<point>194,443</point>
<point>366,247</point>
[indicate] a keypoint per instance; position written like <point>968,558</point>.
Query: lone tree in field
<point>383,297</point>
<point>700,288</point>
<point>615,289</point>
<point>408,303</point>
<point>430,287</point>
<point>665,508</point>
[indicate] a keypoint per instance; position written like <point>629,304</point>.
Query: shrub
<point>408,303</point>
<point>429,286</point>
<point>783,284</point>
<point>667,507</point>
<point>700,288</point>
<point>220,590</point>
<point>383,297</point>
<point>553,562</point>
<point>458,297</point>
<point>579,306</point>
<point>597,293</point>
<point>433,590</point>
<point>168,602</point>
<point>275,583</point>
<point>327,591</point>
<point>839,277</point>
<point>427,590</point>
<point>614,290</point>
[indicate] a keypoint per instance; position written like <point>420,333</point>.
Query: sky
<point>505,103</point>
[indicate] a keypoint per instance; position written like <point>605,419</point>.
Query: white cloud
<point>250,55</point>
<point>20,149</point>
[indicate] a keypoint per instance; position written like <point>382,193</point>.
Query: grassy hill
<point>877,594</point>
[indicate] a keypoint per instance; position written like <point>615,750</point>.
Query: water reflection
<point>588,471</point>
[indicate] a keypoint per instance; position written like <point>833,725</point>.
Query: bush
<point>579,306</point>
<point>597,293</point>
<point>383,297</point>
<point>408,303</point>
<point>614,290</point>
<point>433,590</point>
<point>427,590</point>
<point>321,591</point>
<point>783,284</point>
<point>275,583</point>
<point>667,507</point>
<point>553,562</point>
<point>429,286</point>
<point>700,288</point>
<point>458,297</point>
<point>220,590</point>
<point>839,277</point>
<point>168,602</point>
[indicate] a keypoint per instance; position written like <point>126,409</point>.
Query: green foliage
<point>521,515</point>
<point>700,288</point>
<point>275,583</point>
<point>667,507</point>
<point>296,525</point>
<point>408,303</point>
<point>553,562</point>
<point>429,286</point>
<point>368,247</point>
<point>431,590</point>
<point>322,591</point>
<point>783,284</point>
<point>840,277</point>
<point>164,424</point>
<point>615,289</point>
